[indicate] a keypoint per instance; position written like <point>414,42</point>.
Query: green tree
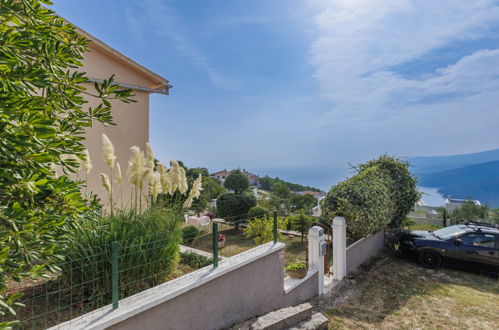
<point>234,207</point>
<point>212,188</point>
<point>236,181</point>
<point>194,172</point>
<point>265,183</point>
<point>470,211</point>
<point>303,202</point>
<point>262,229</point>
<point>281,190</point>
<point>42,119</point>
<point>301,223</point>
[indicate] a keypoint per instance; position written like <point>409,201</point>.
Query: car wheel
<point>430,259</point>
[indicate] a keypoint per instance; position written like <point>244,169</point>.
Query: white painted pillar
<point>339,248</point>
<point>315,257</point>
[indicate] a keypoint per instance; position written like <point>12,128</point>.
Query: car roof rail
<point>479,223</point>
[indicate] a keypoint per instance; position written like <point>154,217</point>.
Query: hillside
<point>479,181</point>
<point>432,164</point>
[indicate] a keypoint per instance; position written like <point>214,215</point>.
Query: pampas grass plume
<point>87,163</point>
<point>108,151</point>
<point>119,177</point>
<point>105,182</point>
<point>136,167</point>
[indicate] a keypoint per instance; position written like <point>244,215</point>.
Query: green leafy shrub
<point>365,200</point>
<point>149,249</point>
<point>262,229</point>
<point>258,212</point>
<point>234,207</point>
<point>43,118</point>
<point>402,186</point>
<point>195,260</point>
<point>189,233</point>
<point>296,266</point>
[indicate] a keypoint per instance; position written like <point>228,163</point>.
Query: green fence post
<point>115,247</point>
<point>275,226</point>
<point>215,244</point>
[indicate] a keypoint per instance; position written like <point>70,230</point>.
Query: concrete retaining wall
<point>363,249</point>
<point>243,286</point>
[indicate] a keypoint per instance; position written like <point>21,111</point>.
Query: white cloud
<point>359,42</point>
<point>159,18</point>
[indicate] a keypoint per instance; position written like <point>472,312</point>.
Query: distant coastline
<point>431,196</point>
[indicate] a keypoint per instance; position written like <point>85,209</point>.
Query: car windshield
<point>448,232</point>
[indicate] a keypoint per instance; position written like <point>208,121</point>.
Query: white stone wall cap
<point>315,231</point>
<point>105,317</point>
<point>339,221</point>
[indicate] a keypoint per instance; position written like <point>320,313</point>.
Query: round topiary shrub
<point>403,186</point>
<point>237,181</point>
<point>365,200</point>
<point>234,207</point>
<point>258,212</point>
<point>189,233</point>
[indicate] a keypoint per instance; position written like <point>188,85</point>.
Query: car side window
<point>479,239</point>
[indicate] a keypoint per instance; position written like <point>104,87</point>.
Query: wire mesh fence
<point>99,278</point>
<point>104,274</point>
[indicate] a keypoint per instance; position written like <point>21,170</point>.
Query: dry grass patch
<point>395,293</point>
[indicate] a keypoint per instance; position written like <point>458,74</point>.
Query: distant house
<point>453,203</point>
<point>222,175</point>
<point>316,194</point>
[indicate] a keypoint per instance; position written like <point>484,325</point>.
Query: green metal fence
<point>112,272</point>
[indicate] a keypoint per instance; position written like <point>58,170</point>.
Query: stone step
<point>316,322</point>
<point>283,318</point>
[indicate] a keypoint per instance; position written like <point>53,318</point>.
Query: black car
<point>470,246</point>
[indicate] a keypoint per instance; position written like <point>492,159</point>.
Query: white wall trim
<point>292,283</point>
<point>133,305</point>
<point>358,241</point>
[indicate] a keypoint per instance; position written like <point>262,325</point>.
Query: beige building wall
<point>131,119</point>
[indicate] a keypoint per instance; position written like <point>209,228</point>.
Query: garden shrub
<point>258,212</point>
<point>402,186</point>
<point>149,249</point>
<point>234,207</point>
<point>195,260</point>
<point>42,123</point>
<point>365,200</point>
<point>262,229</point>
<point>189,233</point>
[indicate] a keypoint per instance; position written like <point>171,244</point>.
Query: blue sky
<point>299,89</point>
